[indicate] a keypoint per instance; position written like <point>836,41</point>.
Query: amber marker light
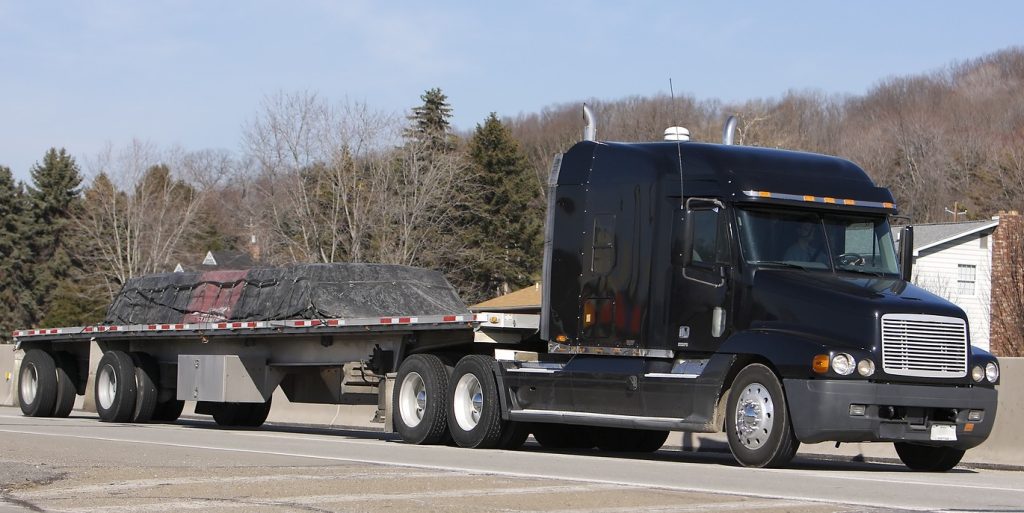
<point>820,364</point>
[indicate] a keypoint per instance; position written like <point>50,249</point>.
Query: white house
<point>954,260</point>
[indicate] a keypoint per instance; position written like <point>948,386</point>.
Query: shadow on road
<point>711,453</point>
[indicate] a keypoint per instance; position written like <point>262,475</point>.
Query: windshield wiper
<point>781,264</point>
<point>861,271</point>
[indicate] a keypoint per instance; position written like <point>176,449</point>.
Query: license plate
<point>943,432</point>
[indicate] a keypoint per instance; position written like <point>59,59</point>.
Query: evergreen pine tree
<point>431,122</point>
<point>54,198</point>
<point>506,220</point>
<point>17,305</point>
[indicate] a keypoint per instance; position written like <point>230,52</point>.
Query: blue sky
<point>82,74</point>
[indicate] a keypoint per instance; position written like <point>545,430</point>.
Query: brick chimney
<point>1007,298</point>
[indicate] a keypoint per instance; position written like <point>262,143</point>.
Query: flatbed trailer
<point>686,287</point>
<point>231,368</point>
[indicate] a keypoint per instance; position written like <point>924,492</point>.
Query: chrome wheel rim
<point>106,387</point>
<point>755,416</point>
<point>468,402</point>
<point>412,399</point>
<point>29,384</point>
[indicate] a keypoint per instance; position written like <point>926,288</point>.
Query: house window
<point>965,280</point>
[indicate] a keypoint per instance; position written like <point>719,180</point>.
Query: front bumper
<point>820,410</point>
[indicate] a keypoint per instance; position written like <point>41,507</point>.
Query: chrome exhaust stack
<point>729,130</point>
<point>590,126</point>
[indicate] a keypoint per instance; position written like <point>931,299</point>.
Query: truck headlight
<point>866,367</point>
<point>991,372</point>
<point>843,364</point>
<point>977,373</point>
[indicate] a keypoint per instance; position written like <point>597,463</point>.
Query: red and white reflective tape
<point>246,325</point>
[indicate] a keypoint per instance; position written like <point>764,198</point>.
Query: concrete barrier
<point>1005,445</point>
<point>8,394</point>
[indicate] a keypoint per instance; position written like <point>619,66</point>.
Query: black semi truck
<point>708,287</point>
<point>686,287</point>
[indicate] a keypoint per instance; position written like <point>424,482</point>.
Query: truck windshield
<point>817,240</point>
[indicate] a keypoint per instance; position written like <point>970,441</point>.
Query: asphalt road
<point>82,465</point>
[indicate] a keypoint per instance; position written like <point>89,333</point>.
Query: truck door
<point>701,298</point>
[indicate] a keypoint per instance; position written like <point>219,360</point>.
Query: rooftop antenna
<point>679,147</point>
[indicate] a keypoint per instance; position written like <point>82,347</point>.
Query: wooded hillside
<point>324,181</point>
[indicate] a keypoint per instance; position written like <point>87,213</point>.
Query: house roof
<point>229,259</point>
<point>523,299</point>
<point>215,260</point>
<point>927,236</point>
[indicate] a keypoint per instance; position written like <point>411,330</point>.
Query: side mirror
<point>907,253</point>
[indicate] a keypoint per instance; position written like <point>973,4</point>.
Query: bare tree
<point>418,205</point>
<point>137,214</point>
<point>316,182</point>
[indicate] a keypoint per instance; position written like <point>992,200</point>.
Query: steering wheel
<point>847,259</point>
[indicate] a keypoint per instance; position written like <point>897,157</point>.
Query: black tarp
<point>306,291</point>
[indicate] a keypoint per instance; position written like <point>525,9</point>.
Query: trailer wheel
<point>925,458</point>
<point>241,414</point>
<point>168,411</point>
<point>37,384</point>
<point>474,413</point>
<point>757,420</point>
<point>116,390</point>
<point>253,414</point>
<point>629,440</point>
<point>67,377</point>
<point>420,400</point>
<point>563,436</point>
<point>147,379</point>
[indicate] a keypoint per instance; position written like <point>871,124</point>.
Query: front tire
<point>37,384</point>
<point>420,400</point>
<point>924,458</point>
<point>116,391</point>
<point>757,420</point>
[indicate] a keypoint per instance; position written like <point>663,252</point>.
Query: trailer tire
<point>563,436</point>
<point>420,400</point>
<point>629,440</point>
<point>757,419</point>
<point>67,378</point>
<point>147,382</point>
<point>474,412</point>
<point>116,390</point>
<point>925,458</point>
<point>254,414</point>
<point>168,411</point>
<point>37,384</point>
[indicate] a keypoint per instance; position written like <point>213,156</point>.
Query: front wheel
<point>757,420</point>
<point>926,458</point>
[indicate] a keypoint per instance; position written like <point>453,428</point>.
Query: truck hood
<point>843,309</point>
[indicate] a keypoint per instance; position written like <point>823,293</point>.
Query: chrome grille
<point>927,346</point>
